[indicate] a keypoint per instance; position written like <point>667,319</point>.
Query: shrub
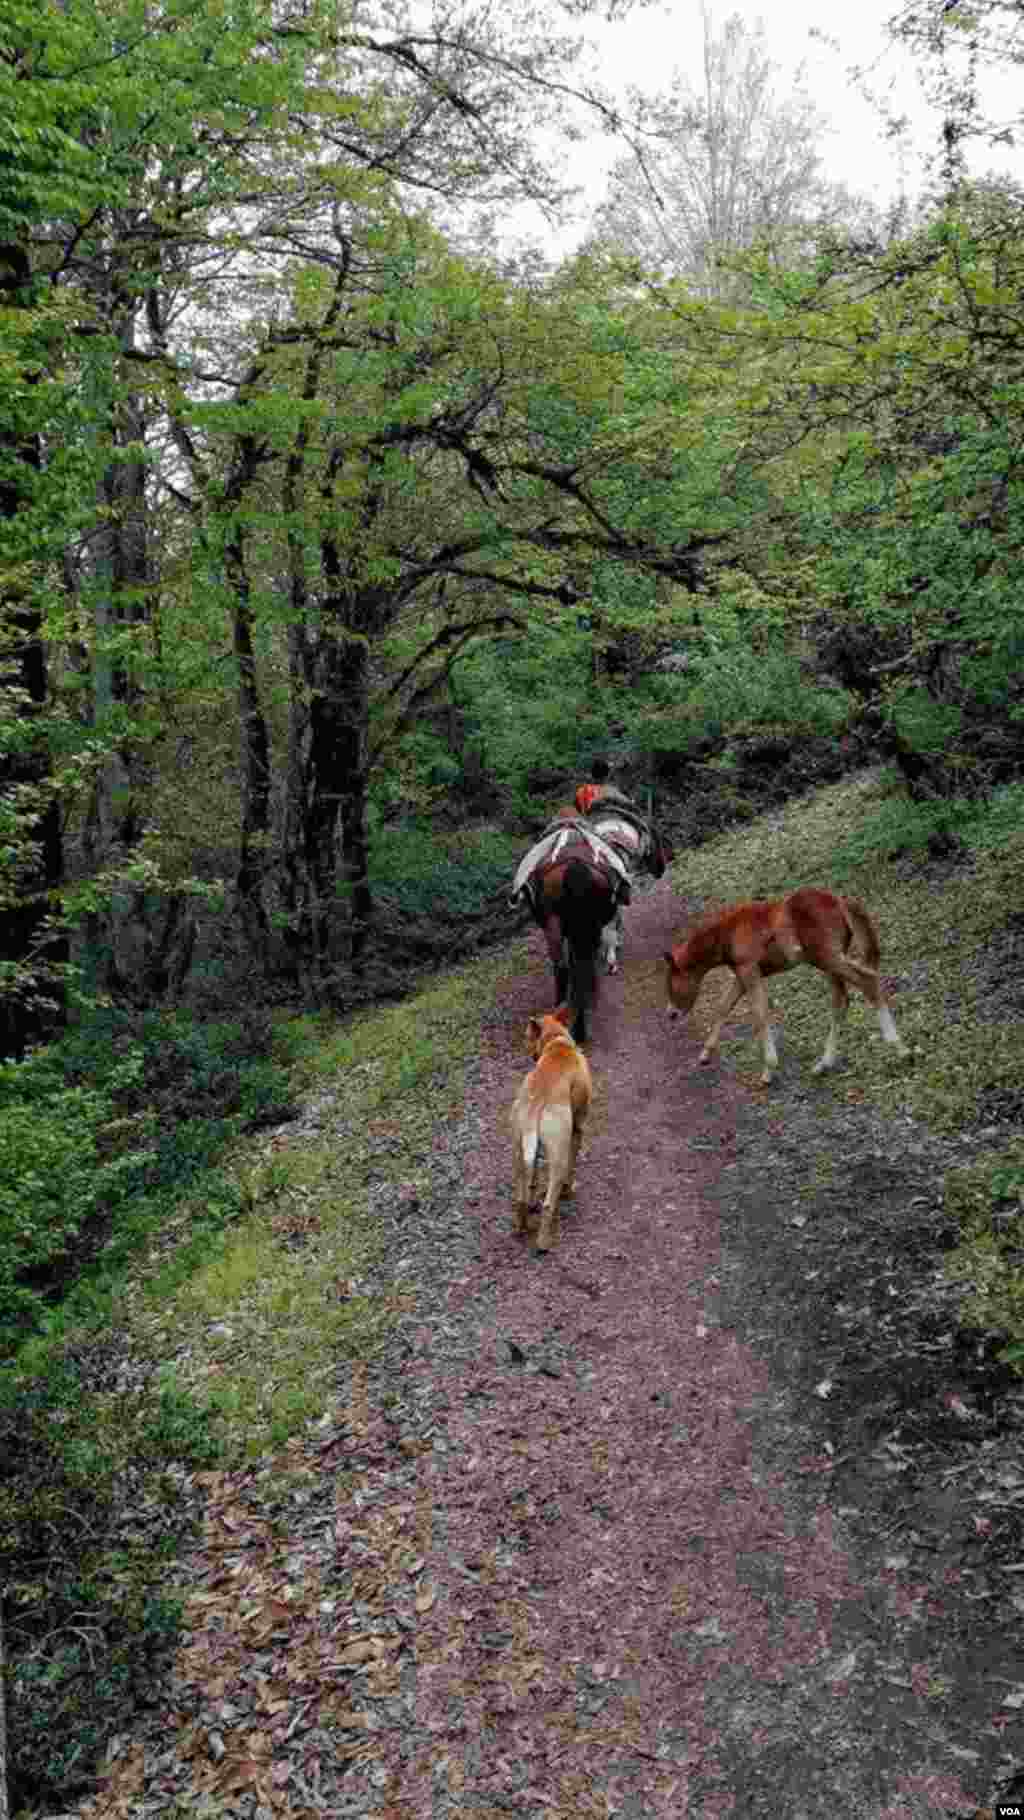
<point>899,826</point>
<point>740,685</point>
<point>53,1183</point>
<point>102,1133</point>
<point>419,873</point>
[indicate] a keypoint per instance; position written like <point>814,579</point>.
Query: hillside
<point>750,1355</point>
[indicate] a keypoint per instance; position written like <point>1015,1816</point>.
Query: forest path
<point>575,1544</point>
<point>640,1603</point>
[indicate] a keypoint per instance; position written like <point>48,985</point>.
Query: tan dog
<point>550,1107</point>
<point>757,939</point>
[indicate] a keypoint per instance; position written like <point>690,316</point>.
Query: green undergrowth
<point>952,936</point>
<point>101,1135</point>
<point>200,1338</point>
<point>987,1201</point>
<point>415,868</point>
<point>261,1324</point>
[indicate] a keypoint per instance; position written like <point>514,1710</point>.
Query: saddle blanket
<point>615,827</point>
<point>550,845</point>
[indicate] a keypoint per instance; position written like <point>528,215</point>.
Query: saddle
<point>545,851</point>
<point>619,808</point>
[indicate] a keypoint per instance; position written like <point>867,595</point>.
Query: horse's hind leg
<point>859,974</point>
<point>582,988</point>
<point>556,947</point>
<point>840,1005</point>
<point>563,974</point>
<point>611,941</point>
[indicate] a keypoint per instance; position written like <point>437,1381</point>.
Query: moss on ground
<point>257,1330</point>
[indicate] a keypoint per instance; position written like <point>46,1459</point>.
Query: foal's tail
<point>862,929</point>
<point>583,918</point>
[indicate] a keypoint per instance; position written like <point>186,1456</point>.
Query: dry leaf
<point>365,1650</point>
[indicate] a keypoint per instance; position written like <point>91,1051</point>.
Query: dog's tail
<point>530,1140</point>
<point>863,931</point>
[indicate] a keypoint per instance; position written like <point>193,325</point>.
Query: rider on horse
<point>576,878</point>
<point>599,790</point>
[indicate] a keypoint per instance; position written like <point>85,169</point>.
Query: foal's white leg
<point>890,1034</point>
<point>771,1055</point>
<point>761,1011</point>
<point>867,981</point>
<point>840,1002</point>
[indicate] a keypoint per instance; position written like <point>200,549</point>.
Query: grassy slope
<point>952,951</point>
<point>247,1330</point>
<point>260,1325</point>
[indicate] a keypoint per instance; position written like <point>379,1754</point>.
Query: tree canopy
<point>279,454</point>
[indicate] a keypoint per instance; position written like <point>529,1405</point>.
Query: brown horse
<point>759,938</point>
<point>574,899</point>
<point>575,889</point>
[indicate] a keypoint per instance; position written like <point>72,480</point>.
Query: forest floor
<point>709,1512</point>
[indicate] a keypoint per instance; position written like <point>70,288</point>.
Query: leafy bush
<point>924,723</point>
<point>102,1133</point>
<point>103,1137</point>
<point>53,1182</point>
<point>532,705</point>
<point>992,822</point>
<point>899,826</point>
<point>419,872</point>
<point>738,685</point>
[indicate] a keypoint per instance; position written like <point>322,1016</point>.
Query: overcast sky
<point>646,49</point>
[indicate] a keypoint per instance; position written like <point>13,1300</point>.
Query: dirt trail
<point>641,1603</point>
<point>693,1517</point>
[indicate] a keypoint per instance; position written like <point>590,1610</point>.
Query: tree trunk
<point>119,935</point>
<point>254,831</point>
<point>27,1008</point>
<point>294,872</point>
<point>335,799</point>
<point>355,840</point>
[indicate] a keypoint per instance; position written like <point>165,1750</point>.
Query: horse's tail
<point>582,921</point>
<point>861,926</point>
